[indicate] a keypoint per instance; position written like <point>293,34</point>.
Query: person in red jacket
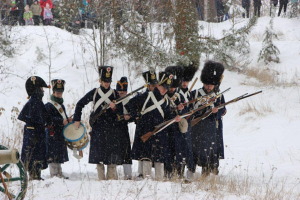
<point>43,5</point>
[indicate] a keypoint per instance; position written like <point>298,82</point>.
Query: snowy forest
<point>257,42</point>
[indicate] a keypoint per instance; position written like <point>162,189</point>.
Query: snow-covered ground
<point>261,134</point>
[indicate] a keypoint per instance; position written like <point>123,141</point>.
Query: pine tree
<point>68,12</point>
<point>269,52</point>
<point>186,29</point>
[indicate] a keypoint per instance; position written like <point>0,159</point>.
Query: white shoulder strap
<point>156,104</point>
<point>125,101</point>
<point>202,92</point>
<point>185,95</point>
<point>103,97</point>
<point>144,106</point>
<point>59,109</point>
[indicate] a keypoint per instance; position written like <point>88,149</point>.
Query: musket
<point>206,114</point>
<point>165,124</point>
<point>159,128</point>
<point>193,84</point>
<point>94,118</point>
<point>213,98</point>
<point>129,94</point>
<point>196,99</point>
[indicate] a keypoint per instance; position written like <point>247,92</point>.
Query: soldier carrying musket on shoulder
<point>155,109</point>
<point>104,145</point>
<point>57,152</point>
<point>204,133</point>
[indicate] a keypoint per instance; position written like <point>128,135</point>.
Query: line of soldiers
<point>177,146</point>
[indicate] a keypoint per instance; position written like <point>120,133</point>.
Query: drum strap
<point>59,109</point>
<point>103,97</point>
<point>156,104</point>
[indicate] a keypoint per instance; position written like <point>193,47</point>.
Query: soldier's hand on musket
<point>214,110</point>
<point>65,122</point>
<point>126,117</point>
<point>70,119</point>
<point>180,106</point>
<point>177,118</point>
<point>112,105</point>
<point>77,124</point>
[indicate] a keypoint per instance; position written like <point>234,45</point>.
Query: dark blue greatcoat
<point>104,144</point>
<point>33,153</point>
<point>56,146</point>
<point>204,138</point>
<point>124,138</point>
<point>155,148</point>
<point>245,3</point>
<point>220,7</point>
<point>220,141</point>
<point>177,142</point>
<point>188,134</point>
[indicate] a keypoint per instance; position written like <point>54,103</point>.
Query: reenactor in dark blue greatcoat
<point>150,79</point>
<point>124,138</point>
<point>220,141</point>
<point>35,116</point>
<point>204,133</point>
<point>188,75</point>
<point>104,145</point>
<point>57,152</point>
<point>155,109</point>
<point>177,143</point>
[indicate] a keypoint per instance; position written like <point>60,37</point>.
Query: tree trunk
<point>211,11</point>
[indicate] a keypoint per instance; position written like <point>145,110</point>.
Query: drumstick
<point>80,153</point>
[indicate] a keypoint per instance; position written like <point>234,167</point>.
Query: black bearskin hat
<point>122,85</point>
<point>105,73</point>
<point>150,77</point>
<point>212,73</point>
<point>165,79</point>
<point>58,85</point>
<point>34,82</point>
<point>177,72</point>
<point>189,72</point>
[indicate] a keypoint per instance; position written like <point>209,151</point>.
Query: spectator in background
<point>20,7</point>
<point>36,11</point>
<point>273,4</point>
<point>282,3</point>
<point>27,16</point>
<point>199,9</point>
<point>257,5</point>
<point>227,7</point>
<point>246,6</point>
<point>29,2</point>
<point>220,10</point>
<point>295,11</point>
<point>43,5</point>
<point>56,16</point>
<point>47,15</point>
